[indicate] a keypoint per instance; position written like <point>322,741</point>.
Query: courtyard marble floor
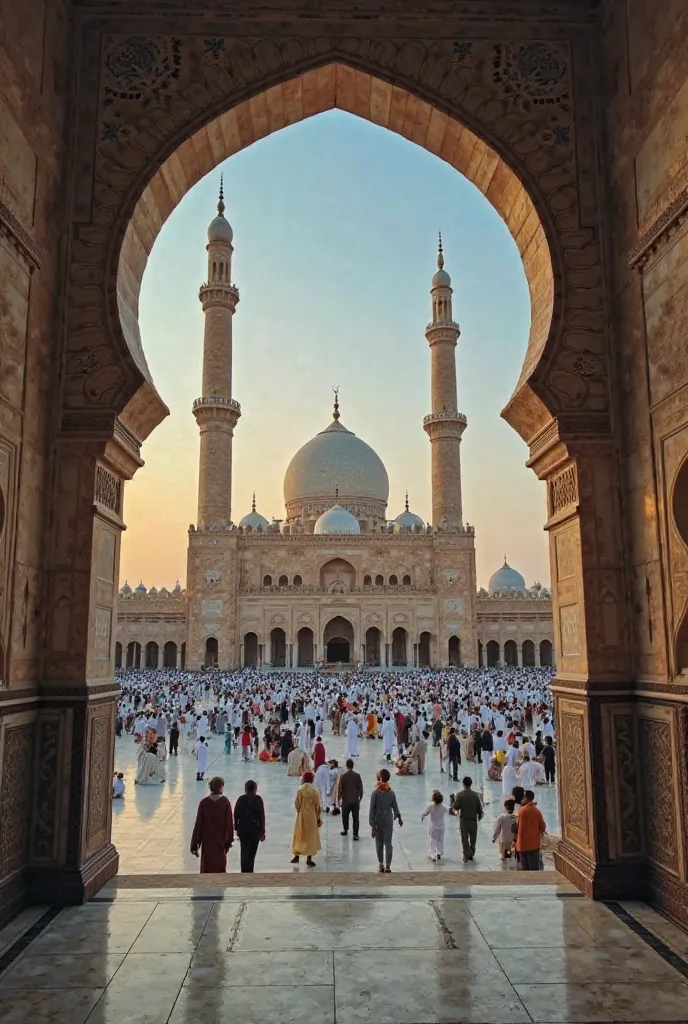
<point>442,954</point>
<point>152,824</point>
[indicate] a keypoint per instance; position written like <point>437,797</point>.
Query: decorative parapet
<point>306,588</point>
<point>216,400</point>
<point>445,416</point>
<point>670,224</point>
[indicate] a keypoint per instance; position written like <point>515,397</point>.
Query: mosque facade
<point>337,581</point>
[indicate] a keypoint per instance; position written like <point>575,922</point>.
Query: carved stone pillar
<point>602,836</point>
<point>70,852</point>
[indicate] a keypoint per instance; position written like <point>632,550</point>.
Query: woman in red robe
<point>214,829</point>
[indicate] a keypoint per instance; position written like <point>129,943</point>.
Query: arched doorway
<point>118,655</point>
<point>134,654</point>
<point>492,653</point>
<point>250,650</point>
<point>211,652</point>
<point>169,654</point>
<point>278,647</point>
<point>528,653</point>
<point>454,651</point>
<point>152,654</point>
<point>480,654</point>
<point>546,653</point>
<point>338,640</point>
<point>399,655</point>
<point>372,645</point>
<point>304,647</point>
<point>511,653</point>
<point>337,576</point>
<point>424,656</point>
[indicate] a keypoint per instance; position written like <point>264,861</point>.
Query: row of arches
<point>528,655</point>
<point>282,581</point>
<point>137,656</point>
<point>392,581</point>
<point>338,646</point>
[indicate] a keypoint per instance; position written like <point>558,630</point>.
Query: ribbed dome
<point>140,589</point>
<point>125,590</point>
<point>506,578</point>
<point>337,467</point>
<point>337,520</point>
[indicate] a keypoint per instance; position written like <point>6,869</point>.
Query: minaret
<point>216,411</point>
<point>445,425</point>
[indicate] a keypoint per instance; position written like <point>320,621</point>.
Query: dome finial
<point>335,414</point>
<point>406,508</point>
<point>253,503</point>
<point>336,492</point>
<point>440,252</point>
<point>221,200</point>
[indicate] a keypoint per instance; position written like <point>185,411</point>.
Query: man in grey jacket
<point>383,810</point>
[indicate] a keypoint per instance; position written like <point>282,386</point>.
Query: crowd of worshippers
<point>502,718</point>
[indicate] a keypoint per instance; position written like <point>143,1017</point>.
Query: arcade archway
<point>424,655</point>
<point>169,654</point>
<point>338,640</point>
<point>454,652</point>
<point>250,650</point>
<point>399,647</point>
<point>372,645</point>
<point>278,647</point>
<point>305,647</point>
<point>211,652</point>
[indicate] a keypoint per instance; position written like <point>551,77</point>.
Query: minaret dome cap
<point>441,278</point>
<point>219,229</point>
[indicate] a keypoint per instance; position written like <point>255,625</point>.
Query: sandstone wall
<point>34,90</point>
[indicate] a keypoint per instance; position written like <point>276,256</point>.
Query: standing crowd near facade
<point>426,723</point>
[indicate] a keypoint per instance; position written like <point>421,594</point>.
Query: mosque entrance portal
<point>338,640</point>
<point>338,650</point>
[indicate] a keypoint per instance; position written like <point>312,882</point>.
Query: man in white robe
<point>352,736</point>
<point>323,782</point>
<point>388,737</point>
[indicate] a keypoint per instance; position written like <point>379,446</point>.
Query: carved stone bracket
<point>669,226</point>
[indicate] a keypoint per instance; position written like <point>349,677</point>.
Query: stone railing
<point>445,415</point>
<point>306,588</point>
<point>434,324</point>
<point>216,400</point>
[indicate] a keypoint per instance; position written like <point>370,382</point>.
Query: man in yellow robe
<point>306,838</point>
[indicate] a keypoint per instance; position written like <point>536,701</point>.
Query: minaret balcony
<point>215,408</point>
<point>445,422</point>
<point>218,293</point>
<point>450,325</point>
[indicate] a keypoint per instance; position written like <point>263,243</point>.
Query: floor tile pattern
<point>416,955</point>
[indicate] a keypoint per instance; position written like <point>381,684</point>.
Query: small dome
<point>153,592</point>
<point>177,588</point>
<point>407,520</point>
<point>441,279</point>
<point>506,578</point>
<point>125,590</point>
<point>337,520</point>
<point>140,589</point>
<point>163,592</point>
<point>254,519</point>
<point>219,229</point>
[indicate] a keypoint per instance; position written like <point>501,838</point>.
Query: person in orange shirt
<point>530,828</point>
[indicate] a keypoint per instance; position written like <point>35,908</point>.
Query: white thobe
<point>389,732</point>
<point>352,738</point>
<point>202,754</point>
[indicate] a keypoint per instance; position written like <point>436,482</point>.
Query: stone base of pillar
<point>667,893</point>
<point>613,881</point>
<point>12,897</point>
<point>66,886</point>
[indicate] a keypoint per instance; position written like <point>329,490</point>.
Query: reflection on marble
<point>405,955</point>
<point>152,825</point>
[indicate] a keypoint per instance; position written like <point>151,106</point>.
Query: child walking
<point>502,830</point>
<point>436,812</point>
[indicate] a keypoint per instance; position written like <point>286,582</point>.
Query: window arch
<point>406,582</point>
<point>298,581</point>
<point>284,581</point>
<point>367,581</point>
<point>393,580</point>
<point>379,581</point>
<point>267,580</point>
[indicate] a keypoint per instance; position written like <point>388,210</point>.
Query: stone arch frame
<point>679,515</point>
<point>561,402</point>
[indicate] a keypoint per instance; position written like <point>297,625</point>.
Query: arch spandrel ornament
<point>171,108</point>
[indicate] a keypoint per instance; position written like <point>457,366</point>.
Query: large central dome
<point>336,467</point>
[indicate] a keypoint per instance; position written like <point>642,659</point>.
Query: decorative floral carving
<point>563,490</point>
<point>99,781</point>
<point>629,811</point>
<point>657,784</point>
<point>108,489</point>
<point>15,796</point>
<point>532,74</point>
<point>572,765</point>
<point>43,833</point>
<point>140,67</point>
<point>462,56</point>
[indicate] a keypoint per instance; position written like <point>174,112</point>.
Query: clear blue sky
<point>335,235</point>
